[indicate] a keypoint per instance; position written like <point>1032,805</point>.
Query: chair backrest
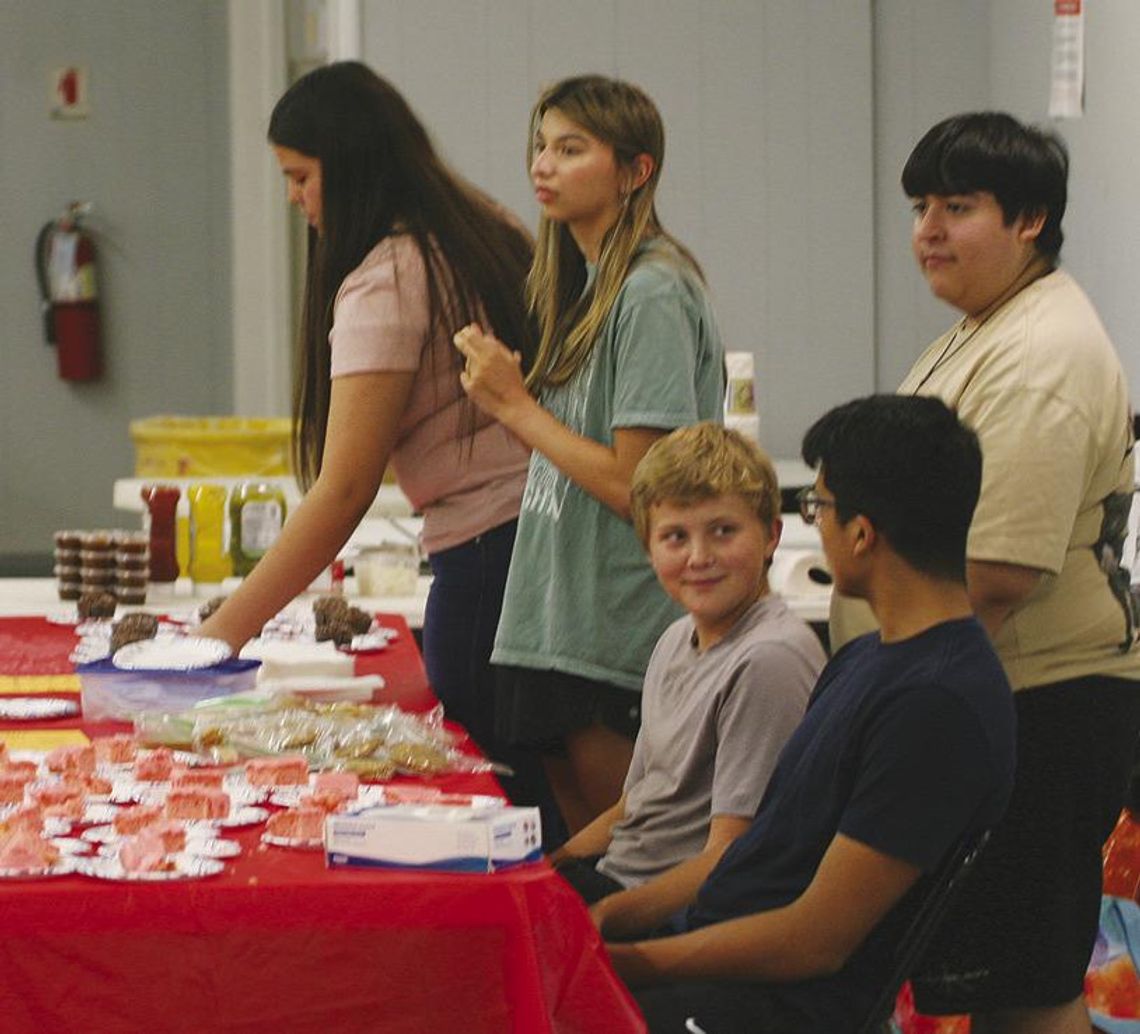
<point>944,883</point>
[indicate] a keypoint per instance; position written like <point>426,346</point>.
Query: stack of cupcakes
<point>67,545</point>
<point>132,566</point>
<point>102,563</point>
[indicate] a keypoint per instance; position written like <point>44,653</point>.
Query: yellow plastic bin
<point>214,446</point>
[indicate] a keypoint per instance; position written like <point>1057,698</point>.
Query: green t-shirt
<point>581,597</point>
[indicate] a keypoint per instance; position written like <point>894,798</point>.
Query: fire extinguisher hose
<point>43,243</point>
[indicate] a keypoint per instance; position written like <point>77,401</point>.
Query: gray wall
<point>788,123</point>
<point>152,157</point>
<point>768,169</point>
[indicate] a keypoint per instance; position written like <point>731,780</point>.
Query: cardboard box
<point>450,839</point>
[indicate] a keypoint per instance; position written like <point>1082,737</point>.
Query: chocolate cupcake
<point>96,605</point>
<point>132,628</point>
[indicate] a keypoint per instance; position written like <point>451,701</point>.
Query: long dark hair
<point>381,175</point>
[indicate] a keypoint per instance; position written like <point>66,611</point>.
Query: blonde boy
<point>726,685</point>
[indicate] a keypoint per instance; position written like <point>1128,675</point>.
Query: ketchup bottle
<point>161,503</point>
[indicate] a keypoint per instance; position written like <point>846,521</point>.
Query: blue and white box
<point>450,839</point>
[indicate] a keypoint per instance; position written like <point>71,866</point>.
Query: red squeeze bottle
<point>161,502</point>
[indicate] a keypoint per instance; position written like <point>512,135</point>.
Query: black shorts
<point>538,708</point>
<point>582,874</point>
<point>719,1008</point>
<point>1021,930</point>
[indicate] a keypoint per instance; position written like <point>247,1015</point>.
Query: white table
<point>36,596</point>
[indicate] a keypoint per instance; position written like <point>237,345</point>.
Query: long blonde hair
<point>622,116</point>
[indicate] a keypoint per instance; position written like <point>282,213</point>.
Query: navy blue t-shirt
<point>905,747</point>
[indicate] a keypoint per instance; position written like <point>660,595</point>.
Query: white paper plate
<point>246,815</point>
<point>295,842</point>
<point>187,653</point>
<point>72,845</point>
<point>63,615</point>
<point>202,847</point>
<point>186,867</point>
<point>29,709</point>
<point>367,796</point>
<point>100,813</point>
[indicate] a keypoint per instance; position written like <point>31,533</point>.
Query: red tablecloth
<point>279,943</point>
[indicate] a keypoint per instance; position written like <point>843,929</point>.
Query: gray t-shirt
<point>712,727</point>
<point>581,597</point>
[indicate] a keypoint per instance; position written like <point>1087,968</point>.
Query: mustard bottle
<point>208,559</point>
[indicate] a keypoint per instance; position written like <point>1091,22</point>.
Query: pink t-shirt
<point>463,484</point>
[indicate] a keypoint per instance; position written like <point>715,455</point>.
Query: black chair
<point>944,884</point>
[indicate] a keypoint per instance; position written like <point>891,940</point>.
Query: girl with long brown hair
<point>400,251</point>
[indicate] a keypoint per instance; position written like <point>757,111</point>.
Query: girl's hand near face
<point>492,376</point>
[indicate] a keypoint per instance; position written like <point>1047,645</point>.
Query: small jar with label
<point>257,514</point>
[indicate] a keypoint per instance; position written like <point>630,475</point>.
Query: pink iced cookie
<point>287,770</point>
<point>197,803</point>
<point>297,824</point>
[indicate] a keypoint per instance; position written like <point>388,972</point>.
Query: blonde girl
<point>628,351</point>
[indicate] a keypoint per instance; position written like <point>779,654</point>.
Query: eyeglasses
<point>811,502</point>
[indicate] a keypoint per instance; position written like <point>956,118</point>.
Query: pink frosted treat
<point>347,783</point>
<point>86,783</point>
<point>28,819</point>
<point>27,851</point>
<point>71,759</point>
<point>60,800</point>
<point>183,777</point>
<point>138,817</point>
<point>145,852</point>
<point>119,749</point>
<point>154,767</point>
<point>297,824</point>
<point>173,834</point>
<point>286,770</point>
<point>327,801</point>
<point>197,803</point>
<point>12,788</point>
<point>26,770</point>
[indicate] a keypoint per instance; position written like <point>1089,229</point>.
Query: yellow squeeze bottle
<point>209,561</point>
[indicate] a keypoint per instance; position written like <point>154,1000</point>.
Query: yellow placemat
<point>25,685</point>
<point>43,739</point>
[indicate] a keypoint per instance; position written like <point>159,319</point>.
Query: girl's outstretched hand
<point>492,376</point>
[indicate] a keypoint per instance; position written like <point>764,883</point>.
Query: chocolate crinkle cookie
<point>96,605</point>
<point>337,628</point>
<point>132,628</point>
<point>359,620</point>
<point>210,606</point>
<point>326,607</point>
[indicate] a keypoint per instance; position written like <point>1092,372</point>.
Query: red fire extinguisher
<point>65,269</point>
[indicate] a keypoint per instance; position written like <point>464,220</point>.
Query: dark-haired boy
<point>1031,370</point>
<point>906,747</point>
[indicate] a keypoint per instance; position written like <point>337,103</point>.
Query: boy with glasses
<point>906,748</point>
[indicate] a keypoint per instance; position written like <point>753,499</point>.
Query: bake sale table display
<point>265,936</point>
